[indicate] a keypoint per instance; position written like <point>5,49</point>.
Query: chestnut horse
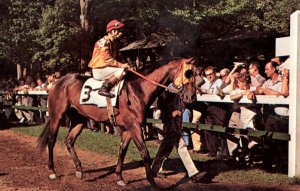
<point>133,102</point>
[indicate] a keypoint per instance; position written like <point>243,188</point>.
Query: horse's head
<point>188,89</point>
<point>186,81</point>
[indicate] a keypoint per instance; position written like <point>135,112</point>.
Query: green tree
<point>48,32</point>
<point>21,19</point>
<point>58,35</point>
<point>271,17</point>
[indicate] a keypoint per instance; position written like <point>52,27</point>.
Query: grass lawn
<point>109,145</point>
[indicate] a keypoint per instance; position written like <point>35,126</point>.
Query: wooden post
<point>294,109</point>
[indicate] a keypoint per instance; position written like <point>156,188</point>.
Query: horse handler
<point>171,107</point>
<point>104,62</point>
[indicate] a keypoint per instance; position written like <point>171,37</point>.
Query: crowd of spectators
<point>246,79</point>
<point>10,87</point>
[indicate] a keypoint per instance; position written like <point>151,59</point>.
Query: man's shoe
<point>22,120</point>
<point>202,177</point>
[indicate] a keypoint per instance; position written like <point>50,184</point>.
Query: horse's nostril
<point>193,97</point>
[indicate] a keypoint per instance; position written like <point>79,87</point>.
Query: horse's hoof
<point>121,183</point>
<point>79,174</point>
<point>52,176</point>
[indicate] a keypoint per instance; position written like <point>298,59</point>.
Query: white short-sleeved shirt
<point>211,87</point>
<point>276,86</point>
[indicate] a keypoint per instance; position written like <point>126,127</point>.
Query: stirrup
<point>105,93</point>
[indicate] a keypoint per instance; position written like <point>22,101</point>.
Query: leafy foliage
<point>18,29</point>
<point>48,31</point>
<point>58,33</point>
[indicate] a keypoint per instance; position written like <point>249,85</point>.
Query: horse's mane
<point>148,69</point>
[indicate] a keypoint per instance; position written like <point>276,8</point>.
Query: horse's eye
<point>188,74</point>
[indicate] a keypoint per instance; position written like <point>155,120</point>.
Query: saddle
<point>89,93</point>
<point>89,96</point>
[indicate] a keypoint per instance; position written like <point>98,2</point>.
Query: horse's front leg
<point>69,142</point>
<point>125,140</point>
<point>137,137</point>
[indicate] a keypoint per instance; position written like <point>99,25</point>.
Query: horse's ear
<point>192,60</point>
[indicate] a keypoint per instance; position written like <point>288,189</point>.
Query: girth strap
<point>110,112</point>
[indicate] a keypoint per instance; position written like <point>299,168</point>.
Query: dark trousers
<point>277,150</point>
<point>217,114</point>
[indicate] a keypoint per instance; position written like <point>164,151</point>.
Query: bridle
<point>153,82</point>
<point>181,89</point>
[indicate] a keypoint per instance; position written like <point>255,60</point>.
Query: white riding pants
<point>106,73</point>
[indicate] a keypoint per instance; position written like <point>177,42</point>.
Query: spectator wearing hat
<point>105,62</point>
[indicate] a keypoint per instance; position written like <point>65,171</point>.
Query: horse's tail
<point>43,139</point>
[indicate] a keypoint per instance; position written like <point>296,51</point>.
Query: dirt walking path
<point>21,168</point>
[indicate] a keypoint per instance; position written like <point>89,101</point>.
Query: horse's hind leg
<point>55,115</point>
<point>125,140</point>
<point>52,140</point>
<point>69,142</point>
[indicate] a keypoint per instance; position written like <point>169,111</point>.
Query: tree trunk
<point>84,21</point>
<point>24,72</point>
<point>19,71</point>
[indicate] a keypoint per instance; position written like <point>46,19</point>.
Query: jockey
<point>103,63</point>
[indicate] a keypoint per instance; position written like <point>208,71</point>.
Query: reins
<point>153,82</point>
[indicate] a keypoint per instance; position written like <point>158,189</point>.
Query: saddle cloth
<point>89,93</point>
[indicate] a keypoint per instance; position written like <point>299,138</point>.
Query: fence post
<point>294,113</point>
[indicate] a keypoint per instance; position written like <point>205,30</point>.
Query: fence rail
<point>206,127</point>
<point>260,99</point>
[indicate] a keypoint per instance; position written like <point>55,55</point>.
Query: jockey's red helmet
<point>113,25</point>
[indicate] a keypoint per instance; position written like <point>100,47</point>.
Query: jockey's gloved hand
<point>126,65</point>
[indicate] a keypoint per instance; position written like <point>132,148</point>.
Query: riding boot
<point>107,86</point>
